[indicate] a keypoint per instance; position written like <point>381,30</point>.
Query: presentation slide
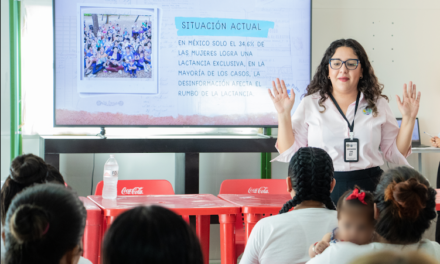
<point>177,62</point>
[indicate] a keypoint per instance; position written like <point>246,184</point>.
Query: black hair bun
<point>28,168</point>
<point>29,223</point>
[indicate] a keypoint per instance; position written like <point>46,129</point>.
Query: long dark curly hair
<point>311,174</point>
<point>369,85</point>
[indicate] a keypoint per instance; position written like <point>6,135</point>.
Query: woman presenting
<point>345,113</point>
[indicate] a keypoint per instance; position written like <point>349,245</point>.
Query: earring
<point>362,77</point>
<point>328,77</point>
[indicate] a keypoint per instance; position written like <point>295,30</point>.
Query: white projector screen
<point>177,62</point>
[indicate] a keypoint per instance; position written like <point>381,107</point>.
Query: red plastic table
<point>255,206</point>
<point>200,205</point>
<point>437,201</point>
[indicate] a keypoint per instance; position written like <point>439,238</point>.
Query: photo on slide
<point>118,49</point>
<point>117,46</point>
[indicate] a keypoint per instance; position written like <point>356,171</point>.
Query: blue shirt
<point>118,56</point>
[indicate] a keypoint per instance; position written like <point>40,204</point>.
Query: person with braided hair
<point>404,207</point>
<point>285,238</point>
<point>345,112</point>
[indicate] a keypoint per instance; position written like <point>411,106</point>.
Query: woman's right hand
<point>281,100</point>
<point>435,142</point>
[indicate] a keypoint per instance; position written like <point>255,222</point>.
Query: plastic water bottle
<point>111,169</point>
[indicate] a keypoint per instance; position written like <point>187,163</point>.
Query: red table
<point>254,206</point>
<point>200,205</point>
<point>92,231</point>
<point>437,200</point>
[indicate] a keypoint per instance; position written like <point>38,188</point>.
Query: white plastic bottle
<point>111,169</point>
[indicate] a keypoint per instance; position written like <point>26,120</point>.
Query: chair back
<point>139,187</point>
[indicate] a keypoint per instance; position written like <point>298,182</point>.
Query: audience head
<point>44,224</point>
<point>388,257</point>
<point>405,206</point>
<point>311,178</point>
<point>356,216</point>
<point>152,235</point>
<point>26,170</point>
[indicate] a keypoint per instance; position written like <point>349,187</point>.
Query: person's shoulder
<point>381,102</point>
<point>315,96</point>
<point>341,253</point>
<point>84,261</point>
<point>324,214</point>
<point>431,247</point>
<point>298,215</point>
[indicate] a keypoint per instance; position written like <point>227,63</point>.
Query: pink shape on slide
<point>69,117</point>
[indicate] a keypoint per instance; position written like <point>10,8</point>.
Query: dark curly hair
<point>311,174</point>
<point>369,85</point>
<point>406,204</point>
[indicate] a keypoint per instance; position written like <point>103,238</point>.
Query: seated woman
<point>25,171</point>
<point>404,210</point>
<point>44,224</point>
<point>285,238</point>
<point>153,235</point>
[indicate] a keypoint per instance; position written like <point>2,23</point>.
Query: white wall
<point>5,95</point>
<point>401,37</point>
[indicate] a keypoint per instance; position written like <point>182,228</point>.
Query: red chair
<point>251,186</point>
<point>139,187</point>
<point>92,231</point>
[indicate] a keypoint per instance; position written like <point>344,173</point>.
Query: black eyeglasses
<point>351,64</point>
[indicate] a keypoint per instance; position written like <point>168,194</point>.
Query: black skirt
<point>345,180</point>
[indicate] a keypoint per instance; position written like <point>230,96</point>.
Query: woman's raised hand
<point>409,106</point>
<point>281,100</point>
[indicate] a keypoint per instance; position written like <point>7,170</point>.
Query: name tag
<point>351,150</point>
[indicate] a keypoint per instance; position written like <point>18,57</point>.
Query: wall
<point>401,38</point>
<point>5,94</point>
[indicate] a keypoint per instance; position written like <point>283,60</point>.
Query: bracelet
<point>314,248</point>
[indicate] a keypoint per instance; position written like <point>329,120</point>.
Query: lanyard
<point>351,127</point>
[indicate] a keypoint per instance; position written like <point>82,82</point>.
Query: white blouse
<point>285,238</point>
<point>329,129</point>
<point>346,252</point>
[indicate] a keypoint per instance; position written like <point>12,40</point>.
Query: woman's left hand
<point>409,106</point>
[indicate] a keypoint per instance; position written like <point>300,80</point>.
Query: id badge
<point>351,150</point>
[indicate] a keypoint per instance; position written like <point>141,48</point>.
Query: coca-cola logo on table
<point>134,191</point>
<point>258,190</point>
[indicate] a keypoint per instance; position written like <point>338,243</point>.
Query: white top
<point>3,255</point>
<point>329,129</point>
<point>346,252</point>
<point>286,238</point>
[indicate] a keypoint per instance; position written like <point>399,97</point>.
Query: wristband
<point>314,248</point>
